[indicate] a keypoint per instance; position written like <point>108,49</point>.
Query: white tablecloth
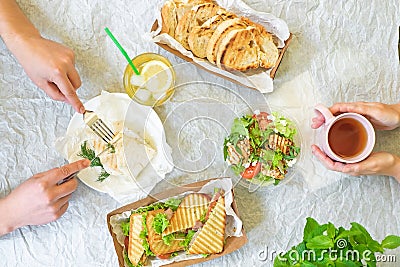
<point>341,51</point>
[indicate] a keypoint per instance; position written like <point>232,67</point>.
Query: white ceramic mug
<point>354,133</point>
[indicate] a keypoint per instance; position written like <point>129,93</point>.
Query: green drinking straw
<point>122,50</point>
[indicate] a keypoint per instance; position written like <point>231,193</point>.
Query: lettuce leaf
<point>125,227</point>
<point>160,223</point>
<point>185,243</point>
<point>168,239</point>
<point>173,203</point>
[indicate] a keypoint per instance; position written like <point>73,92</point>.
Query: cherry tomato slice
<point>164,256</point>
<point>251,171</point>
<point>261,116</point>
<point>126,242</point>
<point>262,119</point>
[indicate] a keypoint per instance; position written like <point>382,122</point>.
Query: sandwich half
<point>190,210</point>
<point>210,238</point>
<point>135,248</point>
<point>156,243</point>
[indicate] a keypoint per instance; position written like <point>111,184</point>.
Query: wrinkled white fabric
<point>340,51</point>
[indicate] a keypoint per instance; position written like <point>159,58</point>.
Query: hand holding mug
<point>378,163</point>
<point>348,137</point>
<point>382,116</point>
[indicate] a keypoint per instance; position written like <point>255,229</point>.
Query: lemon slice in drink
<point>158,76</point>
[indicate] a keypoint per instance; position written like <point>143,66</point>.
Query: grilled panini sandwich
<point>192,207</point>
<point>156,243</point>
<point>135,249</point>
<point>210,238</point>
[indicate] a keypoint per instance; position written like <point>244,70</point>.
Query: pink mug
<point>348,137</point>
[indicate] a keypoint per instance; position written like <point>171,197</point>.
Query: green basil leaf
<point>331,230</point>
<point>371,262</point>
<point>280,263</point>
<point>307,264</point>
<point>320,242</point>
<point>226,148</point>
<point>312,229</point>
<point>362,238</point>
<point>391,242</point>
<point>346,263</point>
<point>343,234</point>
<point>300,248</point>
<point>374,246</point>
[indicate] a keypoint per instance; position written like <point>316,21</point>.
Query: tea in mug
<point>347,137</point>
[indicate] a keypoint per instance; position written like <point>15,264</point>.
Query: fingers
<point>59,212</point>
<point>356,107</point>
<point>68,90</point>
<point>74,78</point>
<point>52,90</point>
<point>327,161</point>
<point>317,122</point>
<point>65,189</point>
<point>61,203</point>
<point>352,169</point>
<point>58,174</point>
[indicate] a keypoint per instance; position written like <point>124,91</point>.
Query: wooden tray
<point>232,243</point>
<point>188,59</point>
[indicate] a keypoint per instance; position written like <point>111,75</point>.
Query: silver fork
<point>101,130</point>
<point>98,126</point>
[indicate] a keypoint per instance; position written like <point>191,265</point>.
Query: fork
<point>101,130</point>
<point>98,126</point>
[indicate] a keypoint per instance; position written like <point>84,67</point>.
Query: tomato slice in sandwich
<point>164,256</point>
<point>251,171</point>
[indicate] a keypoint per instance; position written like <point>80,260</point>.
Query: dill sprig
<point>90,154</point>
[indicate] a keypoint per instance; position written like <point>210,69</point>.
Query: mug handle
<point>325,112</point>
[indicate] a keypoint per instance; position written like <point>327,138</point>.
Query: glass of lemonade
<point>156,82</point>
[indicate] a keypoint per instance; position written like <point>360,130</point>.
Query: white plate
<point>141,119</point>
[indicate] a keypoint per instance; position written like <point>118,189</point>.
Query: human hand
<point>50,65</point>
<point>382,116</point>
<point>378,163</point>
<point>39,199</point>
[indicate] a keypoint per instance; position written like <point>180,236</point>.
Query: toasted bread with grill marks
<point>192,18</point>
<point>190,210</point>
<point>169,18</point>
<point>210,238</point>
<point>269,52</point>
<point>173,11</point>
<point>200,36</point>
<point>157,245</point>
<point>223,28</point>
<point>135,249</point>
<point>238,50</point>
